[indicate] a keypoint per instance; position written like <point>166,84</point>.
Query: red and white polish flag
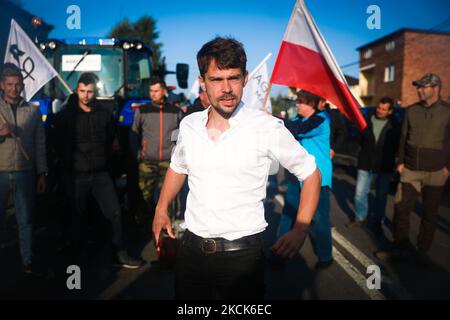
<point>305,61</point>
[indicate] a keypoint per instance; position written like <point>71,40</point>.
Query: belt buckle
<point>208,246</point>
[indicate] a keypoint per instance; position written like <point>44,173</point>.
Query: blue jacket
<point>313,134</point>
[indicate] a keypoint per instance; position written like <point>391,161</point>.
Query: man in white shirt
<point>226,152</point>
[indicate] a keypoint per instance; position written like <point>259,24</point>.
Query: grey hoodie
<point>152,130</point>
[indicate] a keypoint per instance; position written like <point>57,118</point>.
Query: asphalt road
<point>346,279</point>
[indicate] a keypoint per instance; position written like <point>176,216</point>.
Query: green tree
<point>278,104</point>
<point>145,30</point>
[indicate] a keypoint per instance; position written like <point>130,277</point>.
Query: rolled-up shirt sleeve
<point>178,159</point>
<point>284,148</point>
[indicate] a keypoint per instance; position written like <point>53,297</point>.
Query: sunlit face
<point>303,109</point>
<point>427,92</point>
<point>86,93</point>
<point>12,87</point>
<point>157,93</point>
<point>383,110</point>
<point>224,88</point>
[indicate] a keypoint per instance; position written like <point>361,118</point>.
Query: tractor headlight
<point>126,45</point>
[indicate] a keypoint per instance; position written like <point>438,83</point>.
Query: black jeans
<point>222,275</point>
<point>78,188</point>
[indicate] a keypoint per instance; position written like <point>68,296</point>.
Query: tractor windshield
<point>106,63</point>
<point>138,74</point>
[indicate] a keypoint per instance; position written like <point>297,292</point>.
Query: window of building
<point>390,46</point>
<point>368,54</point>
<point>389,73</point>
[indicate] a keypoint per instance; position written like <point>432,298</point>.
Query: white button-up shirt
<point>228,178</point>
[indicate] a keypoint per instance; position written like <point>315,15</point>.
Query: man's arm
<point>338,130</point>
<point>402,143</point>
<point>296,159</point>
<point>41,154</point>
<point>290,243</point>
<point>40,145</point>
<point>447,150</point>
<point>172,185</point>
<point>308,128</point>
<point>135,135</point>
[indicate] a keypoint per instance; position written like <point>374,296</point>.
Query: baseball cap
<point>429,79</point>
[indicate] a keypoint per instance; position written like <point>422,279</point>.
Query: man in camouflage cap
<point>429,79</point>
<point>423,164</point>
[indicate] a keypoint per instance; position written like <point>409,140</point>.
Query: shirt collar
<point>234,120</point>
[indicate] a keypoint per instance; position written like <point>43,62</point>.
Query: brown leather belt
<point>213,245</point>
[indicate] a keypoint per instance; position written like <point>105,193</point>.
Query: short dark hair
<point>88,78</point>
<point>387,100</point>
<point>11,70</point>
<point>154,81</point>
<point>308,98</point>
<point>227,52</point>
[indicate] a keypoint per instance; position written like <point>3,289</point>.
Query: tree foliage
<point>145,30</point>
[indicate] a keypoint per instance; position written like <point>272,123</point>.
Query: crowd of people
<point>216,154</point>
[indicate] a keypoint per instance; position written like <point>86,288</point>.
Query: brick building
<point>389,65</point>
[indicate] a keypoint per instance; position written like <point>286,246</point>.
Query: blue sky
<point>260,25</point>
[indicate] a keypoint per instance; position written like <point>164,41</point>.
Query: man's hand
<point>446,173</point>
<point>5,130</point>
<point>41,184</point>
<point>115,145</point>
<point>161,221</point>
<point>332,153</point>
<point>400,168</point>
<point>290,243</point>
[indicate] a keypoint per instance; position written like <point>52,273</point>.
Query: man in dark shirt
<point>379,143</point>
<point>85,138</point>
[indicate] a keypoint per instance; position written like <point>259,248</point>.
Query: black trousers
<point>226,275</point>
<point>78,188</point>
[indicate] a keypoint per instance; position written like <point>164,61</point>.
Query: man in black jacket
<point>376,159</point>
<point>85,137</point>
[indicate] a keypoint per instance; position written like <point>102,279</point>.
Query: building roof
<point>399,32</point>
<point>351,81</point>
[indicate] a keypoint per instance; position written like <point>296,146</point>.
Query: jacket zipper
<point>160,131</point>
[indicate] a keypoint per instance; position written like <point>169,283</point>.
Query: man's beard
<point>90,103</point>
<point>226,114</point>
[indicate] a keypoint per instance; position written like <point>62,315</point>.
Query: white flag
<point>194,90</point>
<point>22,52</point>
<point>257,86</point>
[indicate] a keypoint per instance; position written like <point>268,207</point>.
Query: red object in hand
<point>167,251</point>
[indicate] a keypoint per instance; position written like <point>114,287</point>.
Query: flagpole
<point>288,29</point>
<point>259,65</point>
<point>266,96</point>
<point>64,83</point>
